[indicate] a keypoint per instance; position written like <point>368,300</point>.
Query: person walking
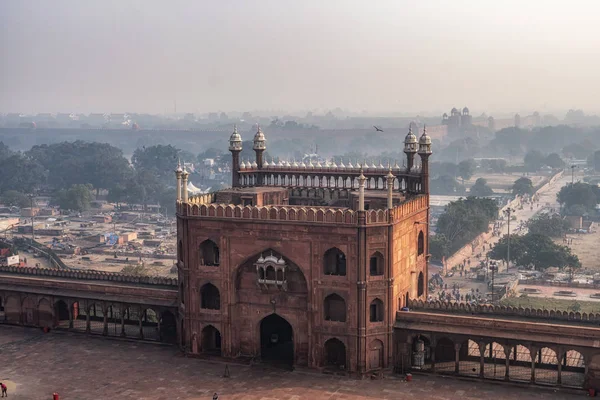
<point>215,396</point>
<point>4,389</point>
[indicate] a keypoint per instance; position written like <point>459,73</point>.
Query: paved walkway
<point>81,367</point>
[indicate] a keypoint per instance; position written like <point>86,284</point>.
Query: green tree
<point>445,185</point>
<point>437,169</point>
<point>550,225</point>
<point>12,198</point>
<point>535,249</point>
<point>464,219</point>
<point>21,173</point>
<point>77,198</point>
<point>554,161</point>
<point>158,160</point>
<point>5,151</point>
<point>534,160</point>
<point>523,186</point>
<point>496,166</point>
<point>466,169</point>
<point>71,163</point>
<point>583,194</point>
<point>481,188</point>
<point>510,141</point>
<point>439,247</point>
<point>117,194</point>
<point>576,150</point>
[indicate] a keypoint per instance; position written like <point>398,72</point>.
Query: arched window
<point>209,253</point>
<point>180,250</point>
<point>421,244</point>
<point>376,311</point>
<point>210,297</point>
<point>376,264</point>
<point>271,273</point>
<point>334,262</point>
<point>335,308</point>
<point>420,285</point>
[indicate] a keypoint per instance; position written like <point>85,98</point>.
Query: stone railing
<point>502,311</point>
<point>272,213</point>
<point>90,275</point>
<point>207,198</point>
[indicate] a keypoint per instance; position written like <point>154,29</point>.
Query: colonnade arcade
<point>505,360</point>
<point>403,181</point>
<point>91,316</point>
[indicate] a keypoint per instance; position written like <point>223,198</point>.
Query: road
<point>546,200</point>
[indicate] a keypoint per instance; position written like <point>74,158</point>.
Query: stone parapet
<point>270,213</point>
<point>503,311</point>
<point>91,275</point>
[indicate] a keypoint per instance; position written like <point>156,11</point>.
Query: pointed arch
<point>335,354</point>
<point>376,311</point>
<point>421,285</point>
<point>376,264</point>
<point>210,297</point>
<point>208,253</point>
<point>334,262</point>
<point>210,340</point>
<point>421,244</point>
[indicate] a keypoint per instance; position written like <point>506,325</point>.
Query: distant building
<point>457,119</point>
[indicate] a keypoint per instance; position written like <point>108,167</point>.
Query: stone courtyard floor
<point>80,367</point>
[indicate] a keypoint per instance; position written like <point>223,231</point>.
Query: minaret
<point>424,153</point>
<point>178,175</point>
<point>235,147</point>
<point>184,184</point>
<point>260,145</point>
<point>361,191</point>
<point>390,189</point>
<point>410,148</point>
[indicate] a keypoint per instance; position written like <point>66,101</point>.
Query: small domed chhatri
<point>260,142</point>
<point>410,142</point>
<point>425,142</point>
<point>235,141</point>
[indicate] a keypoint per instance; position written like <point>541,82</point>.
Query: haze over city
<point>380,57</point>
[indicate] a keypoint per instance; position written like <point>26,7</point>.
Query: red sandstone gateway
<point>303,263</point>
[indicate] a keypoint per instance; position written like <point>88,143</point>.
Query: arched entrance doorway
<point>211,340</point>
<point>276,340</point>
<point>61,313</point>
<point>168,327</point>
<point>376,354</point>
<point>335,354</point>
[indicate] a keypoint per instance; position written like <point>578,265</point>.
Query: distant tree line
<point>72,172</point>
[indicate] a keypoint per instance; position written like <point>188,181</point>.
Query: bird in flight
<point>378,129</point>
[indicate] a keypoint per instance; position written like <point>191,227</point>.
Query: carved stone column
<point>457,347</point>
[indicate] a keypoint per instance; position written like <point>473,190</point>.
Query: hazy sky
<point>377,55</point>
